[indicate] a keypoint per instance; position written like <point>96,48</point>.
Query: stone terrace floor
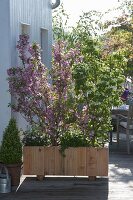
<point>117,186</point>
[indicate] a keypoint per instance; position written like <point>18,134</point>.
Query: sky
<point>75,7</point>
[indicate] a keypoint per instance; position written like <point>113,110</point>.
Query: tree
<point>98,79</point>
<point>42,96</point>
<point>119,38</point>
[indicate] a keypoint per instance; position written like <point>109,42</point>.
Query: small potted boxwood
<point>11,151</point>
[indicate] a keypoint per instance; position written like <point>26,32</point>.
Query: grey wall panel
<point>38,14</point>
<point>5,60</point>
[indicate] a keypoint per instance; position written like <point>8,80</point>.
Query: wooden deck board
<point>118,185</point>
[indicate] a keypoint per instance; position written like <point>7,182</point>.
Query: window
<point>25,28</point>
<point>44,45</point>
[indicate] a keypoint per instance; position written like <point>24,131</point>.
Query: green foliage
<point>35,137</point>
<point>60,24</point>
<point>98,82</point>
<point>98,86</point>
<point>73,137</point>
<point>11,147</point>
<point>119,35</point>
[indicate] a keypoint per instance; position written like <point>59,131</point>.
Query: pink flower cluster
<point>42,95</point>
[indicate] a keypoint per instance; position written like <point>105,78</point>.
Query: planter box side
<point>81,161</point>
<point>97,161</point>
<point>53,161</point>
<point>75,161</point>
<point>33,159</point>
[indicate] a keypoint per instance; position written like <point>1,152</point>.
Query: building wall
<point>36,14</point>
<point>5,60</point>
<point>15,15</point>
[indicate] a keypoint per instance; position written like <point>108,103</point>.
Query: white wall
<point>36,13</point>
<point>4,64</point>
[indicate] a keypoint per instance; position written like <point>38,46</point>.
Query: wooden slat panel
<point>49,161</point>
<point>26,161</point>
<point>33,160</point>
<point>97,162</point>
<point>59,162</point>
<point>81,161</point>
<point>91,161</point>
<point>102,162</point>
<point>70,161</point>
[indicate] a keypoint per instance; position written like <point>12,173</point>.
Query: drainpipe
<point>56,4</point>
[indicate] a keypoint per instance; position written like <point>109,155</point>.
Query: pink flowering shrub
<point>44,97</point>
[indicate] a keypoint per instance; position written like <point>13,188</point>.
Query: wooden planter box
<point>81,161</point>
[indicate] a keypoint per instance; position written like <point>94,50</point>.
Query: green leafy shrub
<point>73,137</point>
<point>35,137</point>
<point>11,147</point>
